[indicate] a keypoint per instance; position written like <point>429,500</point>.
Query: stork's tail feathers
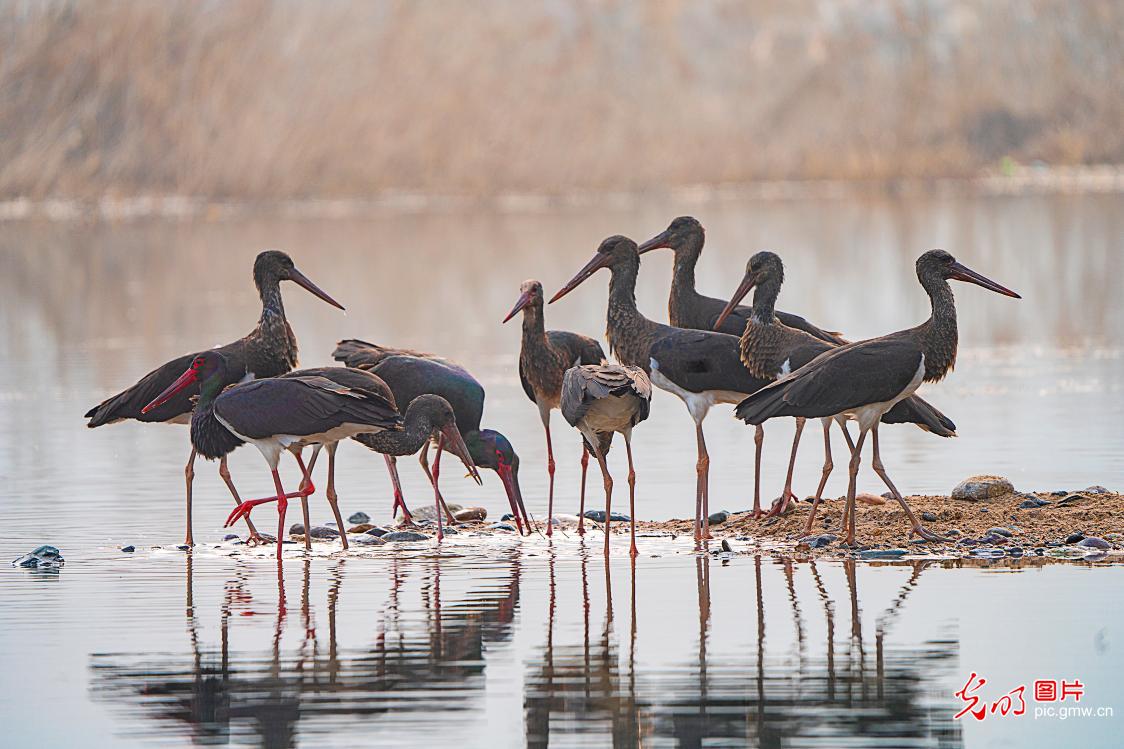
<point>348,347</point>
<point>761,406</point>
<point>918,411</point>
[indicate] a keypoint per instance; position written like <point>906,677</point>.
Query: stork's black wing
<point>698,361</point>
<point>300,406</point>
<point>128,403</point>
<point>355,379</point>
<point>362,354</point>
<point>845,378</point>
<point>735,324</point>
<point>579,349</point>
<point>410,376</point>
<point>917,410</point>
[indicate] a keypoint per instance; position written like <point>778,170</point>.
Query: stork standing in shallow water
<point>269,350</point>
<point>700,367</point>
<point>544,357</point>
<point>601,399</point>
<point>770,348</point>
<point>273,414</point>
<point>866,379</point>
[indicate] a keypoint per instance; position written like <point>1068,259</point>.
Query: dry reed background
<point>277,99</point>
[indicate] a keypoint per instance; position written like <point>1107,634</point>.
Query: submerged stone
<point>502,527</point>
<point>375,531</point>
<point>818,542</point>
<point>231,537</point>
<point>364,539</point>
<point>323,532</point>
<point>598,516</point>
<point>404,536</point>
<point>982,488</point>
<point>128,549</point>
<point>357,518</point>
<point>882,554</point>
<point>41,558</point>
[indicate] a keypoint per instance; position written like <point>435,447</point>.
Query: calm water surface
<point>515,643</point>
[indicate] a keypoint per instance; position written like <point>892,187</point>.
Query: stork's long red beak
<point>964,273</point>
<point>663,239</point>
<point>454,443</point>
<point>514,495</point>
<point>183,381</point>
<point>599,261</point>
<point>302,280</point>
<point>747,283</point>
<point>523,301</point>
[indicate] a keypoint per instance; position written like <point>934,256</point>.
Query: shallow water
<point>163,647</point>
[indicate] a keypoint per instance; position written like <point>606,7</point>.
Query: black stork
<point>771,349</point>
<point>273,414</point>
<point>598,400</point>
<point>700,367</point>
<point>687,308</point>
<point>269,350</point>
<point>410,374</point>
<point>866,379</point>
<point>427,417</point>
<point>544,357</point>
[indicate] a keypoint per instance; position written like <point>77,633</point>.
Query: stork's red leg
<point>550,472</point>
<point>827,467</point>
<point>399,500</point>
<point>437,501</point>
<point>758,440</point>
<point>915,524</point>
<point>581,508</point>
<point>631,496</point>
<point>702,502</point>
<point>330,492</point>
<point>189,477</point>
<point>282,505</point>
<point>786,494</point>
<point>436,469</point>
<point>608,498</point>
<point>849,510</point>
<point>224,472</point>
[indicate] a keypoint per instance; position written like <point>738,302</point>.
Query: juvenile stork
<point>687,308</point>
<point>269,350</point>
<point>427,417</point>
<point>771,349</point>
<point>273,414</point>
<point>600,399</point>
<point>410,374</point>
<point>700,367</point>
<point>544,357</point>
<point>866,379</point>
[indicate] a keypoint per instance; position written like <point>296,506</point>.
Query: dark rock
<point>968,542</point>
<point>404,536</point>
<point>1032,503</point>
<point>982,488</point>
<point>507,516</point>
<point>365,539</point>
<point>358,518</point>
<point>883,554</point>
<point>1070,500</point>
<point>818,542</point>
<point>953,532</point>
<point>984,509</point>
<point>1092,542</point>
<point>128,549</point>
<point>726,546</point>
<point>598,516</point>
<point>449,530</point>
<point>929,517</point>
<point>1055,544</point>
<point>717,518</point>
<point>231,537</point>
<point>1059,493</point>
<point>999,531</point>
<point>375,531</point>
<point>296,529</point>
<point>470,513</point>
<point>1039,551</point>
<point>1095,489</point>
<point>502,527</point>
<point>1073,538</point>
<point>184,547</point>
<point>267,538</point>
<point>1015,551</point>
<point>323,532</point>
<point>44,557</point>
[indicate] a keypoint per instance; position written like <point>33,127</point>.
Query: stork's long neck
<point>628,331</point>
<point>534,327</point>
<point>683,292</point>
<point>938,335</point>
<point>765,300</point>
<point>272,307</point>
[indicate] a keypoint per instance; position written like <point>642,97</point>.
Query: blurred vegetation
<point>277,99</point>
